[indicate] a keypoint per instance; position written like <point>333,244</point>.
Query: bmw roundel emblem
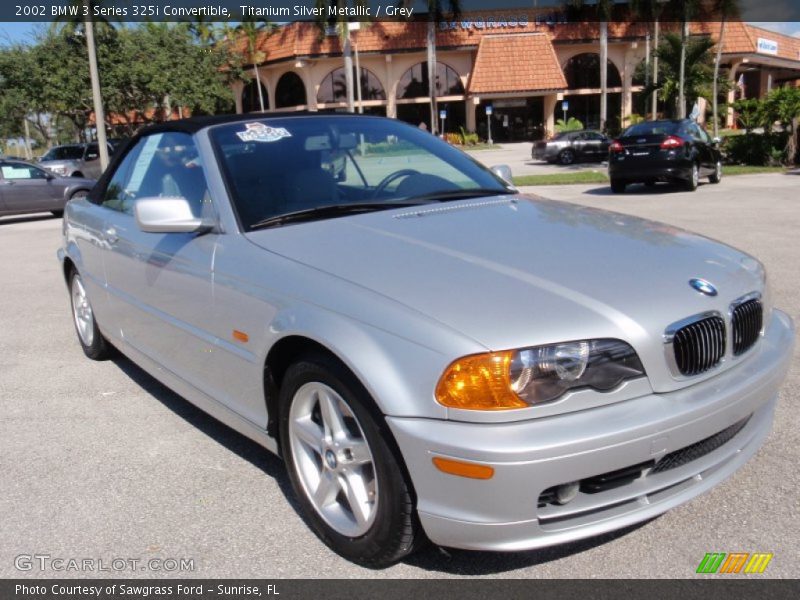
<point>703,286</point>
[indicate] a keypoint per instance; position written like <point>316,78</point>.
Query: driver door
<point>160,284</point>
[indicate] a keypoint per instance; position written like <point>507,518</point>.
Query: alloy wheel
<point>82,312</point>
<point>332,459</point>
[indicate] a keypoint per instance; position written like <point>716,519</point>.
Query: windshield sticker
<point>258,132</point>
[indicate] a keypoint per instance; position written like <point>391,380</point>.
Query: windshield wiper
<point>331,210</point>
<point>445,195</point>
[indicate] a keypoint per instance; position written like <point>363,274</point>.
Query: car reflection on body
<point>670,150</point>
<point>569,147</point>
<point>433,354</point>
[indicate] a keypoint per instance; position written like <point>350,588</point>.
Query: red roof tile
<point>516,63</point>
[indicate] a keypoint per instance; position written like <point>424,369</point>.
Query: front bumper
<point>529,457</point>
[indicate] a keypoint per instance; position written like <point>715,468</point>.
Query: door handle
<point>110,235</point>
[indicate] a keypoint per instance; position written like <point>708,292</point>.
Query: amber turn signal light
<point>463,469</point>
<point>479,382</point>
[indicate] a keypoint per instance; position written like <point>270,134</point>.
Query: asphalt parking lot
<point>100,461</point>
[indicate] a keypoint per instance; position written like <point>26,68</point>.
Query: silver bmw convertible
<point>434,355</point>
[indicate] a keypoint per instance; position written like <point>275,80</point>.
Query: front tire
<point>350,484</point>
<point>716,176</point>
<point>92,342</point>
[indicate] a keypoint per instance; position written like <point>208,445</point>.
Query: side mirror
<point>503,172</point>
<point>90,157</point>
<point>167,215</point>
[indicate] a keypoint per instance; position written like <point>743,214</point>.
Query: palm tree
<point>698,71</point>
<point>726,9</point>
<point>342,25</point>
<point>436,9</point>
<point>651,10</point>
<point>252,28</point>
<point>603,8</point>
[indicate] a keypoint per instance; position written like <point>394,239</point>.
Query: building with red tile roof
<point>527,67</point>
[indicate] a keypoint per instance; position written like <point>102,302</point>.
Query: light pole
<point>99,113</point>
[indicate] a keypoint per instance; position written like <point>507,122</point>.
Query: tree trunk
<point>655,70</point>
<point>717,61</point>
<point>348,69</point>
<point>258,85</point>
<point>603,75</point>
<point>682,75</point>
<point>431,46</point>
<point>791,146</point>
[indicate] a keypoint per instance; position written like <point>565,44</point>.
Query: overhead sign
<point>766,46</point>
<point>511,103</point>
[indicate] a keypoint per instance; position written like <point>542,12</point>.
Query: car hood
<point>510,272</point>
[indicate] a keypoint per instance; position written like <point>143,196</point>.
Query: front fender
<point>399,374</point>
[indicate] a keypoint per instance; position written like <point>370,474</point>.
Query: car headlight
<point>532,376</point>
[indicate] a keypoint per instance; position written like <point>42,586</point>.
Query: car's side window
<point>160,165</point>
<point>22,171</point>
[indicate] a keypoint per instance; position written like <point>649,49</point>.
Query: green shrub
<point>572,124</point>
<point>756,149</point>
<point>469,138</point>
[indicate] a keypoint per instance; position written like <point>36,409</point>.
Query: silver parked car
<point>569,147</point>
<point>433,354</point>
<point>76,160</point>
<point>26,188</point>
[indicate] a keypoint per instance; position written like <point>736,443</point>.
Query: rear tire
<point>332,435</point>
<point>92,342</point>
<point>617,186</point>
<point>566,157</point>
<point>716,176</point>
<point>694,178</point>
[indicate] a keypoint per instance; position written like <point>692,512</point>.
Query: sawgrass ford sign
<point>766,46</point>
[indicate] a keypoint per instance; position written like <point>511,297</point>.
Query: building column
<point>391,94</point>
<point>550,114</point>
<point>270,85</point>
<point>470,105</point>
<point>729,117</point>
<point>238,87</point>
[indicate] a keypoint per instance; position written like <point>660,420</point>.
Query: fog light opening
<point>567,492</point>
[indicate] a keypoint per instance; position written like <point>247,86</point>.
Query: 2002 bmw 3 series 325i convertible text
<point>432,354</point>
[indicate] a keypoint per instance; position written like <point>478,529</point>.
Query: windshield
<point>64,153</point>
<point>277,167</point>
<point>652,128</point>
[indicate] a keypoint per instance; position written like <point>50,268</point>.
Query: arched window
<point>414,82</point>
<point>290,91</point>
<point>250,98</point>
<point>583,71</point>
<point>334,88</point>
